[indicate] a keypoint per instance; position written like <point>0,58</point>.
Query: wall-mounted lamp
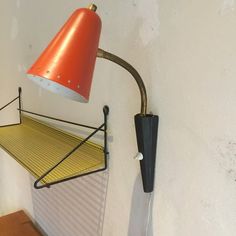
<point>66,67</point>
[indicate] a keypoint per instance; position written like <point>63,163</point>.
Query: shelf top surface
<point>38,146</point>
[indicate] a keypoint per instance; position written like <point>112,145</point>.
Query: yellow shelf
<point>38,147</point>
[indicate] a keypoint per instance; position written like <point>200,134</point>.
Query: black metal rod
<point>105,112</point>
<point>65,121</point>
<point>66,179</point>
<point>9,103</point>
<point>19,91</point>
<point>65,157</point>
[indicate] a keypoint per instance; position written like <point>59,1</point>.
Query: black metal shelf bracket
<point>19,107</point>
<point>101,128</point>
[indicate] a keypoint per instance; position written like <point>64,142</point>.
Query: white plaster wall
<point>185,51</point>
<point>195,94</point>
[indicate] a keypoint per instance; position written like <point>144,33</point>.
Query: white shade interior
<point>57,88</point>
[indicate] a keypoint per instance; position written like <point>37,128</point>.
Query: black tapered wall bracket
<point>146,131</point>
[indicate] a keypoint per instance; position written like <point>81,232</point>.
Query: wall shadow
<point>140,223</point>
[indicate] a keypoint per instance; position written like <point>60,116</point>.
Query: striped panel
<point>74,208</point>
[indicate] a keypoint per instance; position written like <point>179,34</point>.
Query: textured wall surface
<point>185,52</point>
<point>196,94</point>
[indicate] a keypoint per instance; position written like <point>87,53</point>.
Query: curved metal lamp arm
<point>111,57</point>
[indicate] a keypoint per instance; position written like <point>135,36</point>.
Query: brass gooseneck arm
<point>111,57</point>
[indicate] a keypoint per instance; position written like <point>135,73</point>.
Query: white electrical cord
<point>149,213</point>
<point>139,157</point>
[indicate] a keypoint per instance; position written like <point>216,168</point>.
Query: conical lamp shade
<point>66,66</point>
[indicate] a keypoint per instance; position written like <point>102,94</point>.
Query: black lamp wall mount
<point>146,125</point>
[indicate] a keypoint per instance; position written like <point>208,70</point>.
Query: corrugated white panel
<point>73,208</point>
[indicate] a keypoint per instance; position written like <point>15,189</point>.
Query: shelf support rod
<point>36,184</point>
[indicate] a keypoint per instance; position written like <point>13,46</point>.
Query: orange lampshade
<point>66,66</point>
